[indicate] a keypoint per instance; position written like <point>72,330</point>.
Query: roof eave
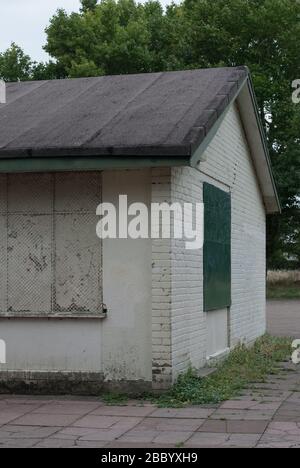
<point>257,141</point>
<point>248,108</point>
<point>86,163</point>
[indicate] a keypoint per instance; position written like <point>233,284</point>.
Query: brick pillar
<point>161,290</point>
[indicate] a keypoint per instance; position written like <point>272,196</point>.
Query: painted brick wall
<point>179,323</point>
<point>161,289</point>
<point>229,161</point>
<point>188,320</point>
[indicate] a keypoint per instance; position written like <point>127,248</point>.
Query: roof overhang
<point>255,136</point>
<point>248,109</point>
<point>184,144</point>
<point>86,163</point>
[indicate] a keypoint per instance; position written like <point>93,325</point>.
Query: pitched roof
<point>139,115</point>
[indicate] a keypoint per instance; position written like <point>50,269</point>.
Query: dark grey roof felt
<point>153,114</point>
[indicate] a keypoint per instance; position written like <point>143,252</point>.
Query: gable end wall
<point>179,323</point>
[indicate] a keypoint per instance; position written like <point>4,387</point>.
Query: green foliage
<point>115,399</point>
<point>283,284</point>
<point>283,292</point>
<point>88,5</point>
<point>47,71</point>
<point>108,40</point>
<point>15,65</point>
<point>118,37</point>
<point>241,368</point>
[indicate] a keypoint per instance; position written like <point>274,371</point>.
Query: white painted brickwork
<point>161,289</point>
<point>229,161</point>
<point>188,321</point>
<point>179,323</point>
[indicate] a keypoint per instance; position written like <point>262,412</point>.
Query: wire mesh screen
<point>50,256</point>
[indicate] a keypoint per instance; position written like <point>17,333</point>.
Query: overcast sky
<point>24,21</point>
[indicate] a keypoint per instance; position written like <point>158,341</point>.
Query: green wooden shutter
<point>217,248</point>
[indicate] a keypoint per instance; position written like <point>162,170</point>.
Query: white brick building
<point>79,314</point>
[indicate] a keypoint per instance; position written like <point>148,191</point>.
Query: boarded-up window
<point>50,254</point>
<point>217,248</point>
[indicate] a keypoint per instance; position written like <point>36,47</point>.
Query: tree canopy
<point>121,36</point>
<point>15,65</point>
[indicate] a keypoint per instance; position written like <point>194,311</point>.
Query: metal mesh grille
<point>50,256</point>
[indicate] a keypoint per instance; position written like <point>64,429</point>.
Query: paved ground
<point>266,415</point>
<point>283,318</point>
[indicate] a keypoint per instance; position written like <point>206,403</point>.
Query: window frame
<point>81,313</point>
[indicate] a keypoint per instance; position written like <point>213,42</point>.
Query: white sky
<point>24,21</point>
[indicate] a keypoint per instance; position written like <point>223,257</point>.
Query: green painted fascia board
<point>264,140</point>
<point>197,156</point>
<point>36,164</point>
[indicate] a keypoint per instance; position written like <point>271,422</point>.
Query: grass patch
<point>114,399</point>
<point>283,284</point>
<point>242,367</point>
<point>283,292</point>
